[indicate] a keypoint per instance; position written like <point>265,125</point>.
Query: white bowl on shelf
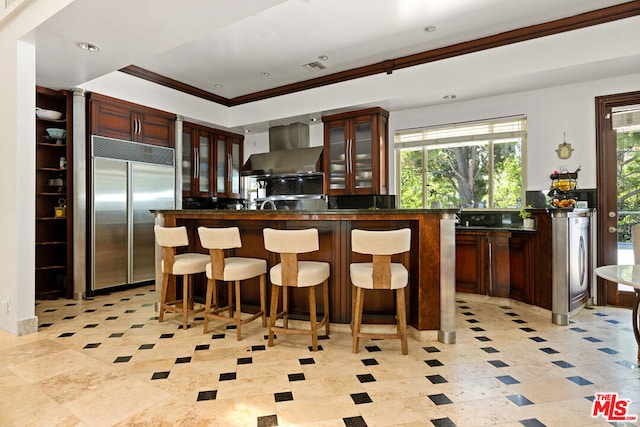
<point>48,114</point>
<point>55,133</point>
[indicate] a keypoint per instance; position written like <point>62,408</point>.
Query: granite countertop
<point>306,212</point>
<point>493,228</point>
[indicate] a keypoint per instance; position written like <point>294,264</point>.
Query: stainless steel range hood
<point>289,154</point>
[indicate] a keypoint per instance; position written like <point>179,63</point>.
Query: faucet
<point>273,205</point>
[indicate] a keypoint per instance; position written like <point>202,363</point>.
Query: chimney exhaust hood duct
<point>289,154</point>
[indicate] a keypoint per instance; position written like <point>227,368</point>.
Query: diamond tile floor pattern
<point>107,361</point>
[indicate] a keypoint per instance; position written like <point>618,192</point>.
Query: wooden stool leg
<point>238,312</point>
<point>185,301</point>
<point>215,294</point>
<point>163,298</point>
<point>230,298</point>
<point>325,297</point>
<point>207,305</point>
<point>285,306</point>
<point>273,314</point>
<point>402,319</point>
<point>353,305</point>
<point>263,295</point>
<point>313,318</point>
<point>358,318</point>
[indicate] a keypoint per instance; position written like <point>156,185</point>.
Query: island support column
<point>560,260</point>
<point>158,252</point>
<point>447,332</point>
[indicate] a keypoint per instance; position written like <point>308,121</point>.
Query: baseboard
<point>28,326</point>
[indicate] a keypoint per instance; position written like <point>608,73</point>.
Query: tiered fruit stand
<point>563,186</point>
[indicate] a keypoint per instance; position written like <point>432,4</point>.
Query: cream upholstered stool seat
<point>380,274</point>
<point>291,273</point>
<point>231,270</point>
<point>169,238</point>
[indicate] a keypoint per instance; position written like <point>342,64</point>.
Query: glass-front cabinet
<point>356,152</point>
<point>196,162</point>
<point>211,161</point>
<point>229,161</point>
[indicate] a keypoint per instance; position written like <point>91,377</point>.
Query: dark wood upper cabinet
<point>211,161</point>
<point>228,163</point>
<point>356,152</point>
<point>119,119</point>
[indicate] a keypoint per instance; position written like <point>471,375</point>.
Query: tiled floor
<point>107,361</point>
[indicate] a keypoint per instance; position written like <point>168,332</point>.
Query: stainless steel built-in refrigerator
<point>129,179</point>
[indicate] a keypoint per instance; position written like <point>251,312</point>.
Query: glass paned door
<point>204,162</point>
<point>337,158</point>
<point>362,158</point>
<point>617,127</point>
<point>235,168</point>
<point>626,124</point>
<point>221,169</point>
<point>187,169</point>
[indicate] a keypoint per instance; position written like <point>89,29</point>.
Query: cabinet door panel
<point>112,121</point>
<point>235,164</point>
<point>156,130</point>
<point>362,157</point>
<point>471,261</point>
<point>500,269</point>
<point>222,161</point>
<point>187,163</point>
<point>338,158</point>
<point>521,268</point>
<point>203,165</point>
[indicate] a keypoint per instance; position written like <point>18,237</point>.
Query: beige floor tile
<point>52,379</point>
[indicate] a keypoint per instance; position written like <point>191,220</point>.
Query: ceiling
<point>226,47</point>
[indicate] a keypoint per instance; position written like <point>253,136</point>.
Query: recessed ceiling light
<point>218,85</point>
<point>88,46</point>
<point>430,28</point>
<point>247,131</point>
<point>313,119</point>
<point>265,74</point>
<point>452,96</point>
<point>323,57</point>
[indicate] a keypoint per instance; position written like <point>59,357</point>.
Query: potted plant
<point>527,220</point>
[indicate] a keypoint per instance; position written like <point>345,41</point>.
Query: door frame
<point>605,136</point>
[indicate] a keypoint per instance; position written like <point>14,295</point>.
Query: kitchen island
<point>431,261</point>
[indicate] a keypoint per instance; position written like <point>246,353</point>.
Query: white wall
<point>550,113</point>
<point>17,174</point>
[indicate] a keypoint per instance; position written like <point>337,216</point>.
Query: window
<point>468,165</point>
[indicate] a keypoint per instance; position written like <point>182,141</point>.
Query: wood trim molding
<point>583,20</point>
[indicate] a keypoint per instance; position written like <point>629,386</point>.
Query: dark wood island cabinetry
<point>431,295</point>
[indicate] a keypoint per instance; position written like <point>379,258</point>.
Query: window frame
<point>418,138</point>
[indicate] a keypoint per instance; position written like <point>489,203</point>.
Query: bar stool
<point>230,269</point>
<point>169,238</point>
<point>296,274</point>
<point>380,274</point>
